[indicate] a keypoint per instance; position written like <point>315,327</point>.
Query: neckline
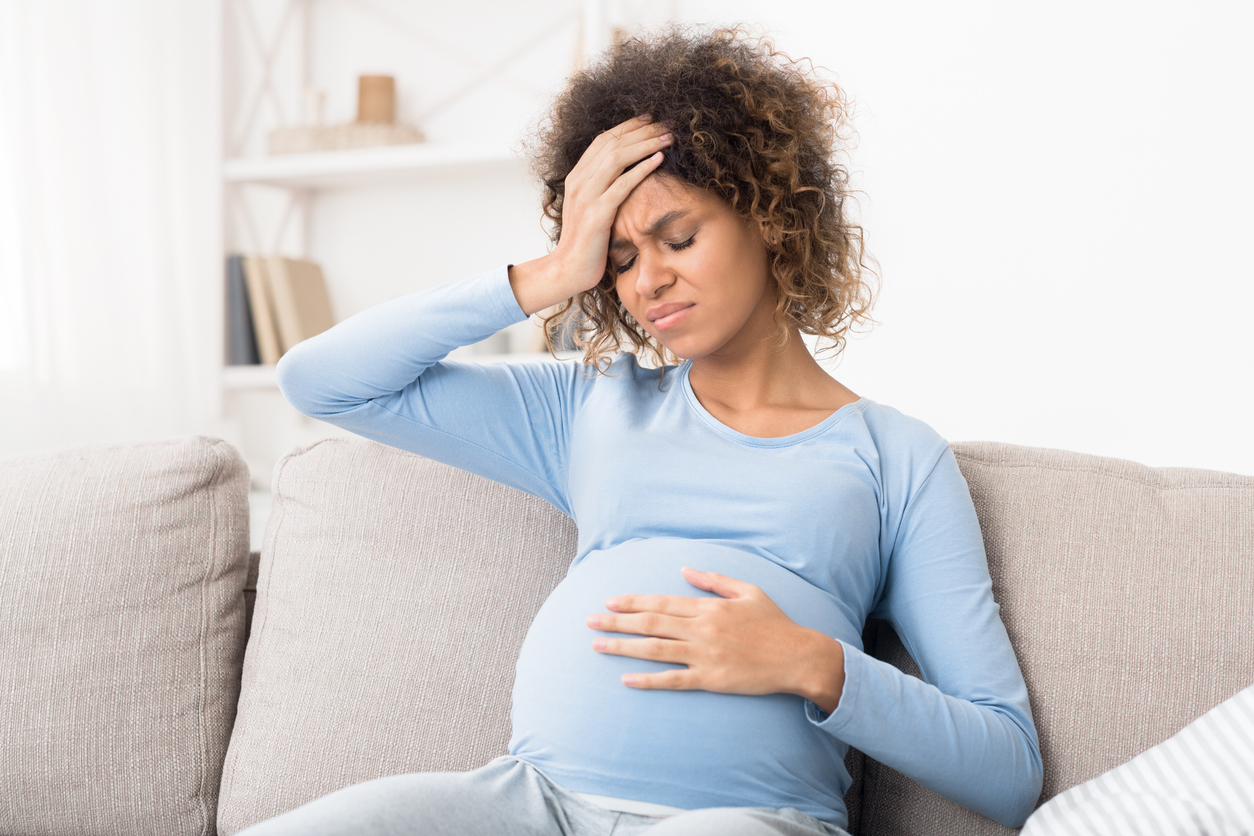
<point>753,440</point>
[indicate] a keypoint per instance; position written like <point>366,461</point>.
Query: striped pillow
<point>1201,781</point>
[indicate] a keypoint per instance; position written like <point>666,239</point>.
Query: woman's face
<point>690,271</point>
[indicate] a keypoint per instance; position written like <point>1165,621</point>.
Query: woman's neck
<point>759,380</point>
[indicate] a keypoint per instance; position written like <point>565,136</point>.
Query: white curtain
<point>110,220</point>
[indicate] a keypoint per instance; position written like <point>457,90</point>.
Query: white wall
<point>1059,198</point>
<point>1056,195</point>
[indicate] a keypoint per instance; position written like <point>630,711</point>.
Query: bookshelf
<point>274,53</point>
<point>304,175</point>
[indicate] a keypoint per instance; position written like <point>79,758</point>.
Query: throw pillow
<point>1199,781</point>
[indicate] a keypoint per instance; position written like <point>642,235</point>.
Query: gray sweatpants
<point>510,797</point>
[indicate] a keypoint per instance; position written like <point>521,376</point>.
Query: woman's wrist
<point>537,284</point>
<point>823,680</point>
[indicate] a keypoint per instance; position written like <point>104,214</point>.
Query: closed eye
<point>682,245</point>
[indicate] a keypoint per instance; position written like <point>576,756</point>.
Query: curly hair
<point>751,126</point>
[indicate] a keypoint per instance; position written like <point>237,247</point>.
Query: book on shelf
<point>285,299</point>
<point>241,339</point>
<point>259,296</point>
<point>302,307</point>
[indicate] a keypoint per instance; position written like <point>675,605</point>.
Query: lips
<point>659,311</point>
<point>672,320</point>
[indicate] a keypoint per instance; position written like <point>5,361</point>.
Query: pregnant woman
<point>740,512</point>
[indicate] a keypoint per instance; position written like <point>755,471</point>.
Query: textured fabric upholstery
<point>393,594</point>
<point>1128,593</point>
<point>121,634</point>
<point>392,598</point>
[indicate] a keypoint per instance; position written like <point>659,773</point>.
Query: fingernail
<point>612,603</point>
<point>664,137</point>
<point>646,117</point>
<point>598,644</point>
<point>594,621</point>
<point>628,679</point>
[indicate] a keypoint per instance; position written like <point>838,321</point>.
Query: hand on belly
<point>738,643</point>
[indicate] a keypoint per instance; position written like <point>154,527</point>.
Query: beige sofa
<point>392,594</point>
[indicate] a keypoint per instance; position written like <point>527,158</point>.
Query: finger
<point>677,605</point>
<point>657,650</point>
<point>632,150</point>
<point>628,180</point>
<point>623,128</point>
<point>614,160</point>
<point>632,130</point>
<point>673,680</point>
<point>644,624</point>
<point>716,583</point>
<point>606,137</point>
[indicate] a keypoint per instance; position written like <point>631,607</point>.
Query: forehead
<point>656,195</point>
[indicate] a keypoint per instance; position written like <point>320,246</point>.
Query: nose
<point>652,274</point>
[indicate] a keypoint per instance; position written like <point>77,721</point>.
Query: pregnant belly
<point>574,719</point>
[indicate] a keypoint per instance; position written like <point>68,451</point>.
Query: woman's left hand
<point>739,643</point>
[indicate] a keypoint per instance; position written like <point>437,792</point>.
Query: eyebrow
<point>655,227</point>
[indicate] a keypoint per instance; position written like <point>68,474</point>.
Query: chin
<point>686,349</point>
<point>689,344</point>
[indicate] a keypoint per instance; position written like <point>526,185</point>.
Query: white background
<point>1057,195</point>
<point>1058,198</point>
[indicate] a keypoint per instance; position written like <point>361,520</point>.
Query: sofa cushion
<point>122,634</point>
<point>392,599</point>
<point>1128,594</point>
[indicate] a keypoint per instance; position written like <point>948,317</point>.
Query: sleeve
<point>381,374</point>
<point>965,729</point>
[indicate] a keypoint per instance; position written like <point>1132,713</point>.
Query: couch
<point>157,677</point>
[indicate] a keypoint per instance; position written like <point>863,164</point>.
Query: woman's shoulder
<point>897,426</point>
<point>903,442</point>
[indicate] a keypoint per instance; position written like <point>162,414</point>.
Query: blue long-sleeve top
<point>863,515</point>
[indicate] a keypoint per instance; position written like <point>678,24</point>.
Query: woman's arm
<point>965,730</point>
<point>381,374</point>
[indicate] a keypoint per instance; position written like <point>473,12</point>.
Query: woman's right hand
<point>595,188</point>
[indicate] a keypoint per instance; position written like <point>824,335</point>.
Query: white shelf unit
<point>304,175</point>
<point>362,166</point>
<point>270,31</point>
<point>268,200</point>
